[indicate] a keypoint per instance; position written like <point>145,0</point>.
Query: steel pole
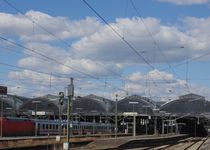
<point>134,125</point>
<point>116,128</point>
<point>163,127</point>
<point>155,126</point>
<point>36,119</point>
<point>69,112</point>
<point>61,98</point>
<point>146,121</point>
<point>195,129</point>
<point>1,117</point>
<point>68,122</point>
<point>60,119</point>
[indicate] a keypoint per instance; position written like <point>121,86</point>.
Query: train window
<point>50,126</point>
<point>43,126</point>
<point>57,126</point>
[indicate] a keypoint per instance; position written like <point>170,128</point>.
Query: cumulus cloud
<point>159,85</point>
<point>49,58</point>
<point>97,51</point>
<point>62,27</point>
<point>186,2</point>
<point>152,75</point>
<point>104,43</point>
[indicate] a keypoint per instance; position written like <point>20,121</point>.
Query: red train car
<point>16,127</point>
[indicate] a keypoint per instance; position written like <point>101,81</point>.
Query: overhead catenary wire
<point>50,33</point>
<point>61,40</point>
<point>188,60</point>
<point>66,43</point>
<point>54,75</point>
<point>154,40</point>
<point>47,57</point>
<point>23,68</point>
<point>122,38</point>
<point>52,59</point>
<point>119,35</point>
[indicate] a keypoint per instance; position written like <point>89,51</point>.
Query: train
<point>11,126</point>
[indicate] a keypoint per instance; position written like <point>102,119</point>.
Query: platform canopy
<point>190,103</point>
<point>135,103</point>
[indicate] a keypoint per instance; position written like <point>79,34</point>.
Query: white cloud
<point>165,88</point>
<point>61,27</point>
<point>97,48</point>
<point>105,45</point>
<point>17,90</point>
<point>186,2</point>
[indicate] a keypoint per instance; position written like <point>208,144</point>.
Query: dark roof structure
<point>91,104</point>
<point>107,103</point>
<point>11,103</point>
<point>142,105</point>
<point>190,103</point>
<point>12,100</point>
<point>49,104</point>
<point>43,105</point>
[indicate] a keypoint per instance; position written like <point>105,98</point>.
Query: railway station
<point>104,75</point>
<point>92,115</point>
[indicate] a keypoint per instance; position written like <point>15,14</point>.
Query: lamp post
<point>36,103</point>
<point>134,118</point>
<point>1,116</point>
<point>61,99</point>
<point>79,113</point>
<point>116,128</point>
<point>94,113</point>
<point>79,109</point>
<point>147,116</point>
<point>155,121</point>
<point>70,95</point>
<point>197,122</point>
<point>168,121</point>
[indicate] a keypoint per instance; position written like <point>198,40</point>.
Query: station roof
<point>12,101</point>
<point>135,103</point>
<point>50,103</point>
<point>40,104</point>
<point>190,103</point>
<point>91,104</point>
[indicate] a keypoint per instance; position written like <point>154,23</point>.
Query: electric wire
<point>50,33</point>
<point>153,39</point>
<point>122,38</point>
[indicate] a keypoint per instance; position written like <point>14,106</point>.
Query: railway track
<point>186,144</point>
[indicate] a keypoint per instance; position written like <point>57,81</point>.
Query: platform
<point>206,145</point>
<point>119,142</point>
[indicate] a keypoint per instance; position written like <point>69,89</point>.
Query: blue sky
<point>69,40</point>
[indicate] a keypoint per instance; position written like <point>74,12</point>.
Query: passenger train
<point>10,126</point>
